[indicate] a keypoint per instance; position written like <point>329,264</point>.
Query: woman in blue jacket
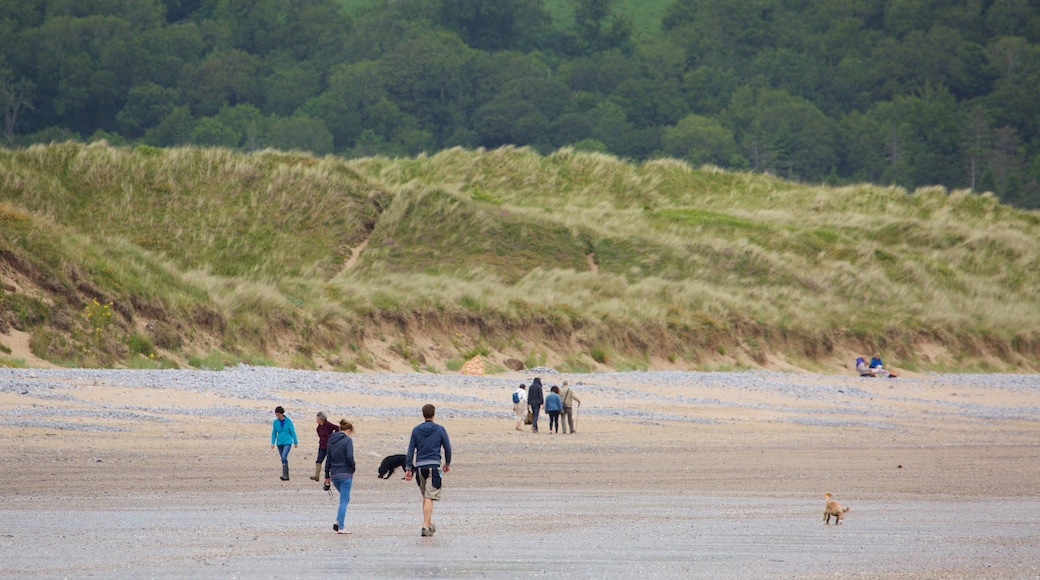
<point>339,469</point>
<point>553,406</point>
<point>283,435</point>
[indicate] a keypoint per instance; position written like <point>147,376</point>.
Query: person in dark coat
<point>535,400</point>
<point>339,469</point>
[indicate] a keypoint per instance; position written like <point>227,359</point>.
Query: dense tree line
<point>907,92</point>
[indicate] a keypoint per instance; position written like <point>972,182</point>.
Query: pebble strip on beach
<point>842,397</point>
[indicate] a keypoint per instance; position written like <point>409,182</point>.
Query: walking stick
<point>574,421</point>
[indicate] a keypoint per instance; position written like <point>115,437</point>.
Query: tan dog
<point>833,508</point>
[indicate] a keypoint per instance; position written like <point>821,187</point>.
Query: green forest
<point>897,92</point>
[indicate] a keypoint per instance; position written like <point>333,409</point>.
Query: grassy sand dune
<point>579,260</point>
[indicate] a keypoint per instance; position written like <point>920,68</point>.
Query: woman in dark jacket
<point>339,469</point>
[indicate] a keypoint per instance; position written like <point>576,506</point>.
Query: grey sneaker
<point>433,527</point>
<point>427,533</point>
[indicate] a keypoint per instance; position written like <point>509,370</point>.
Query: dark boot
<point>285,472</point>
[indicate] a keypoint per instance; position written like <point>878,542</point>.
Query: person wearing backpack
<point>520,405</point>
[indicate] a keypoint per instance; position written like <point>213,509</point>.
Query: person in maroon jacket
<point>325,428</point>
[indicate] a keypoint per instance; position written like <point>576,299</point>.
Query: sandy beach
<point>170,474</point>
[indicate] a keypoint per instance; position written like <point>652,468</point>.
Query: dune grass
<point>754,244</point>
<point>263,214</point>
<point>597,255</point>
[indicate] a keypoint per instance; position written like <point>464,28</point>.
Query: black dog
<point>389,464</point>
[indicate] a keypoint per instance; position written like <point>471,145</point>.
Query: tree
<point>601,72</point>
<point>495,121</point>
<point>146,105</point>
<point>862,148</point>
<point>426,78</point>
<point>610,126</point>
<point>708,89</point>
<point>724,33</point>
<point>381,26</point>
<point>175,129</point>
<point>1011,55</point>
<point>591,146</point>
<point>351,88</point>
<point>976,143</point>
<point>899,144</point>
<point>570,128</point>
<point>288,87</point>
<point>368,144</point>
<point>1010,18</point>
<point>488,73</point>
<point>935,121</point>
<point>246,121</point>
<point>15,96</point>
<point>654,97</point>
<point>301,134</point>
<point>1005,159</point>
<point>784,68</point>
<point>939,56</point>
<point>211,132</point>
<point>1013,99</point>
<point>83,67</point>
<point>598,30</point>
<point>166,51</point>
<point>922,136</point>
<point>411,141</point>
<point>228,77</point>
<point>257,26</point>
<point>178,10</point>
<point>905,16</point>
<point>784,134</point>
<point>548,96</point>
<point>357,101</point>
<point>1030,197</point>
<point>702,140</point>
<point>313,31</point>
<point>498,25</point>
<point>848,86</point>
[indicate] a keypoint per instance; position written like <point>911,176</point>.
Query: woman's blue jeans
<point>343,487</point>
<point>283,450</point>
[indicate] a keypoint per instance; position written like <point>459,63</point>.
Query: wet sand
<point>538,531</point>
<point>700,477</point>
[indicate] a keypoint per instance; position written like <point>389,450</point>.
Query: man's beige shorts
<point>429,480</point>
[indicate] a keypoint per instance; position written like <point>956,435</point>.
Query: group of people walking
<point>560,403</point>
<point>336,450</point>
<point>423,461</point>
